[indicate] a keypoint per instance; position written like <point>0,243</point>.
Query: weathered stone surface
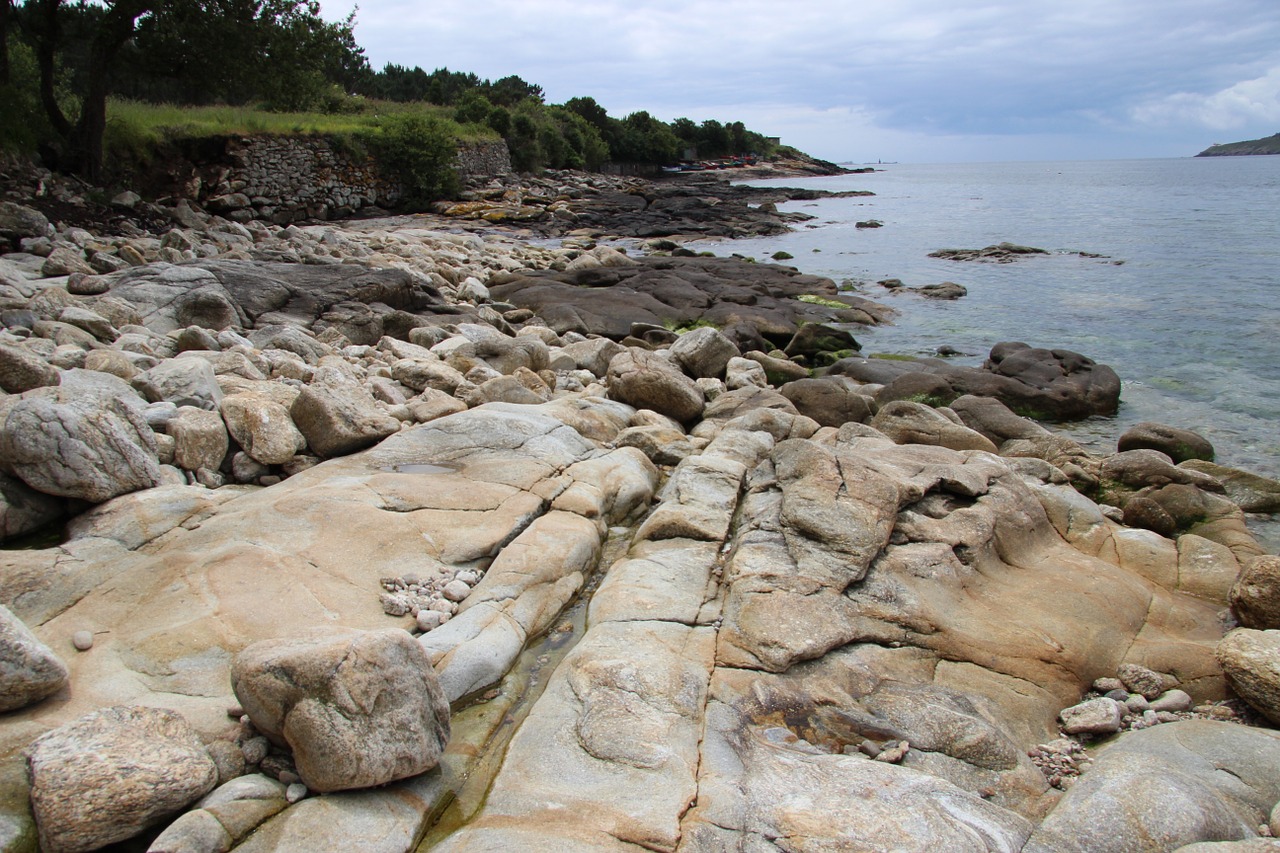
<point>263,427</point>
<point>1255,596</point>
<point>85,438</point>
<point>181,381</point>
<point>915,423</point>
<point>1178,444</point>
<point>648,381</point>
<point>1251,660</point>
<point>831,401</point>
<point>357,709</point>
<point>110,774</point>
<point>1096,716</point>
<point>1170,785</point>
<point>29,670</point>
<point>21,370</point>
<point>1249,491</point>
<point>200,439</point>
<point>339,418</point>
<point>703,352</point>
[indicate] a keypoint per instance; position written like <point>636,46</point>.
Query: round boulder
<point>110,774</point>
<point>647,380</point>
<point>1255,597</point>
<point>358,708</point>
<point>1178,444</point>
<point>1251,661</point>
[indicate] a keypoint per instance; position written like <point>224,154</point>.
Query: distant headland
<point>1267,145</point>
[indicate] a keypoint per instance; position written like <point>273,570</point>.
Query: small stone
<point>429,620</point>
<point>1106,685</point>
<point>393,605</point>
<point>288,777</point>
<point>1139,679</point>
<point>1096,716</point>
<point>1137,703</point>
<point>1171,700</point>
<point>455,590</point>
<point>1120,695</point>
<point>255,749</point>
<point>442,606</point>
<point>870,748</point>
<point>228,758</point>
<point>1167,717</point>
<point>235,711</point>
<point>469,578</point>
<point>1150,718</point>
<point>82,640</point>
<point>894,754</point>
<point>296,792</point>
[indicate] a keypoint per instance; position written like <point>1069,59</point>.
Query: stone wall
<point>284,179</point>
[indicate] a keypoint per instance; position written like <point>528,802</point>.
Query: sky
<point>925,81</point>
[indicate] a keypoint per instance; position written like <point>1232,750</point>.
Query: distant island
<point>1267,145</point>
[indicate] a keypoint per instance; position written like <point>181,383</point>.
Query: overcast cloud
<point>906,80</point>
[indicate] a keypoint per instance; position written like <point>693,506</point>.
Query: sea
<point>1177,289</point>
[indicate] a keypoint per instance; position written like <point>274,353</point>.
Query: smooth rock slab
<point>1168,786</point>
<point>108,775</point>
<point>358,708</point>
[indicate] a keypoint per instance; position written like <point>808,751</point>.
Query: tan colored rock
<point>200,439</point>
<point>915,423</point>
<point>648,381</point>
<point>1255,596</point>
<point>110,774</point>
<point>1251,660</point>
<point>357,709</point>
<point>263,427</point>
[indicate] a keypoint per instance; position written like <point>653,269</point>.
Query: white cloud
<point>1246,102</point>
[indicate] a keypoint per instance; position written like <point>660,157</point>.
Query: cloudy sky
<point>897,80</point>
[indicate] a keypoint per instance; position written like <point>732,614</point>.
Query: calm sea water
<point>1190,319</point>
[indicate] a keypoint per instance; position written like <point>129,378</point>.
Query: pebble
<point>254,749</point>
<point>1172,700</point>
<point>235,711</point>
<point>894,754</point>
<point>295,792</point>
<point>288,777</point>
<point>1139,679</point>
<point>1137,703</point>
<point>1094,716</point>
<point>469,578</point>
<point>1106,685</point>
<point>82,640</point>
<point>429,620</point>
<point>455,590</point>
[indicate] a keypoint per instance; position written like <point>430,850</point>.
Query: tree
<point>114,26</point>
<point>6,19</point>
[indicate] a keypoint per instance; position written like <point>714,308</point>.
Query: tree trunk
<point>46,32</point>
<point>6,17</point>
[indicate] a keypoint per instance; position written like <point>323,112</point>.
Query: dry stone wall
<point>285,179</point>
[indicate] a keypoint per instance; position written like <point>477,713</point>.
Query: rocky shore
<point>431,533</point>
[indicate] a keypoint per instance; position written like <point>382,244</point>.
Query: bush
<point>419,152</point>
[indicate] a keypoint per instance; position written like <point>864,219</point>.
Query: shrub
<point>419,152</point>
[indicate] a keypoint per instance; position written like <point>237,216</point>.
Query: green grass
<point>136,127</point>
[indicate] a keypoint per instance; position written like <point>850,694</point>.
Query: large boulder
<point>85,438</point>
<point>703,352</point>
<point>1168,786</point>
<point>339,418</point>
<point>1178,444</point>
<point>915,423</point>
<point>263,427</point>
<point>200,439</point>
<point>181,381</point>
<point>29,670</point>
<point>1255,597</point>
<point>18,221</point>
<point>358,708</point>
<point>1251,660</point>
<point>110,774</point>
<point>22,371</point>
<point>1249,491</point>
<point>831,401</point>
<point>646,380</point>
